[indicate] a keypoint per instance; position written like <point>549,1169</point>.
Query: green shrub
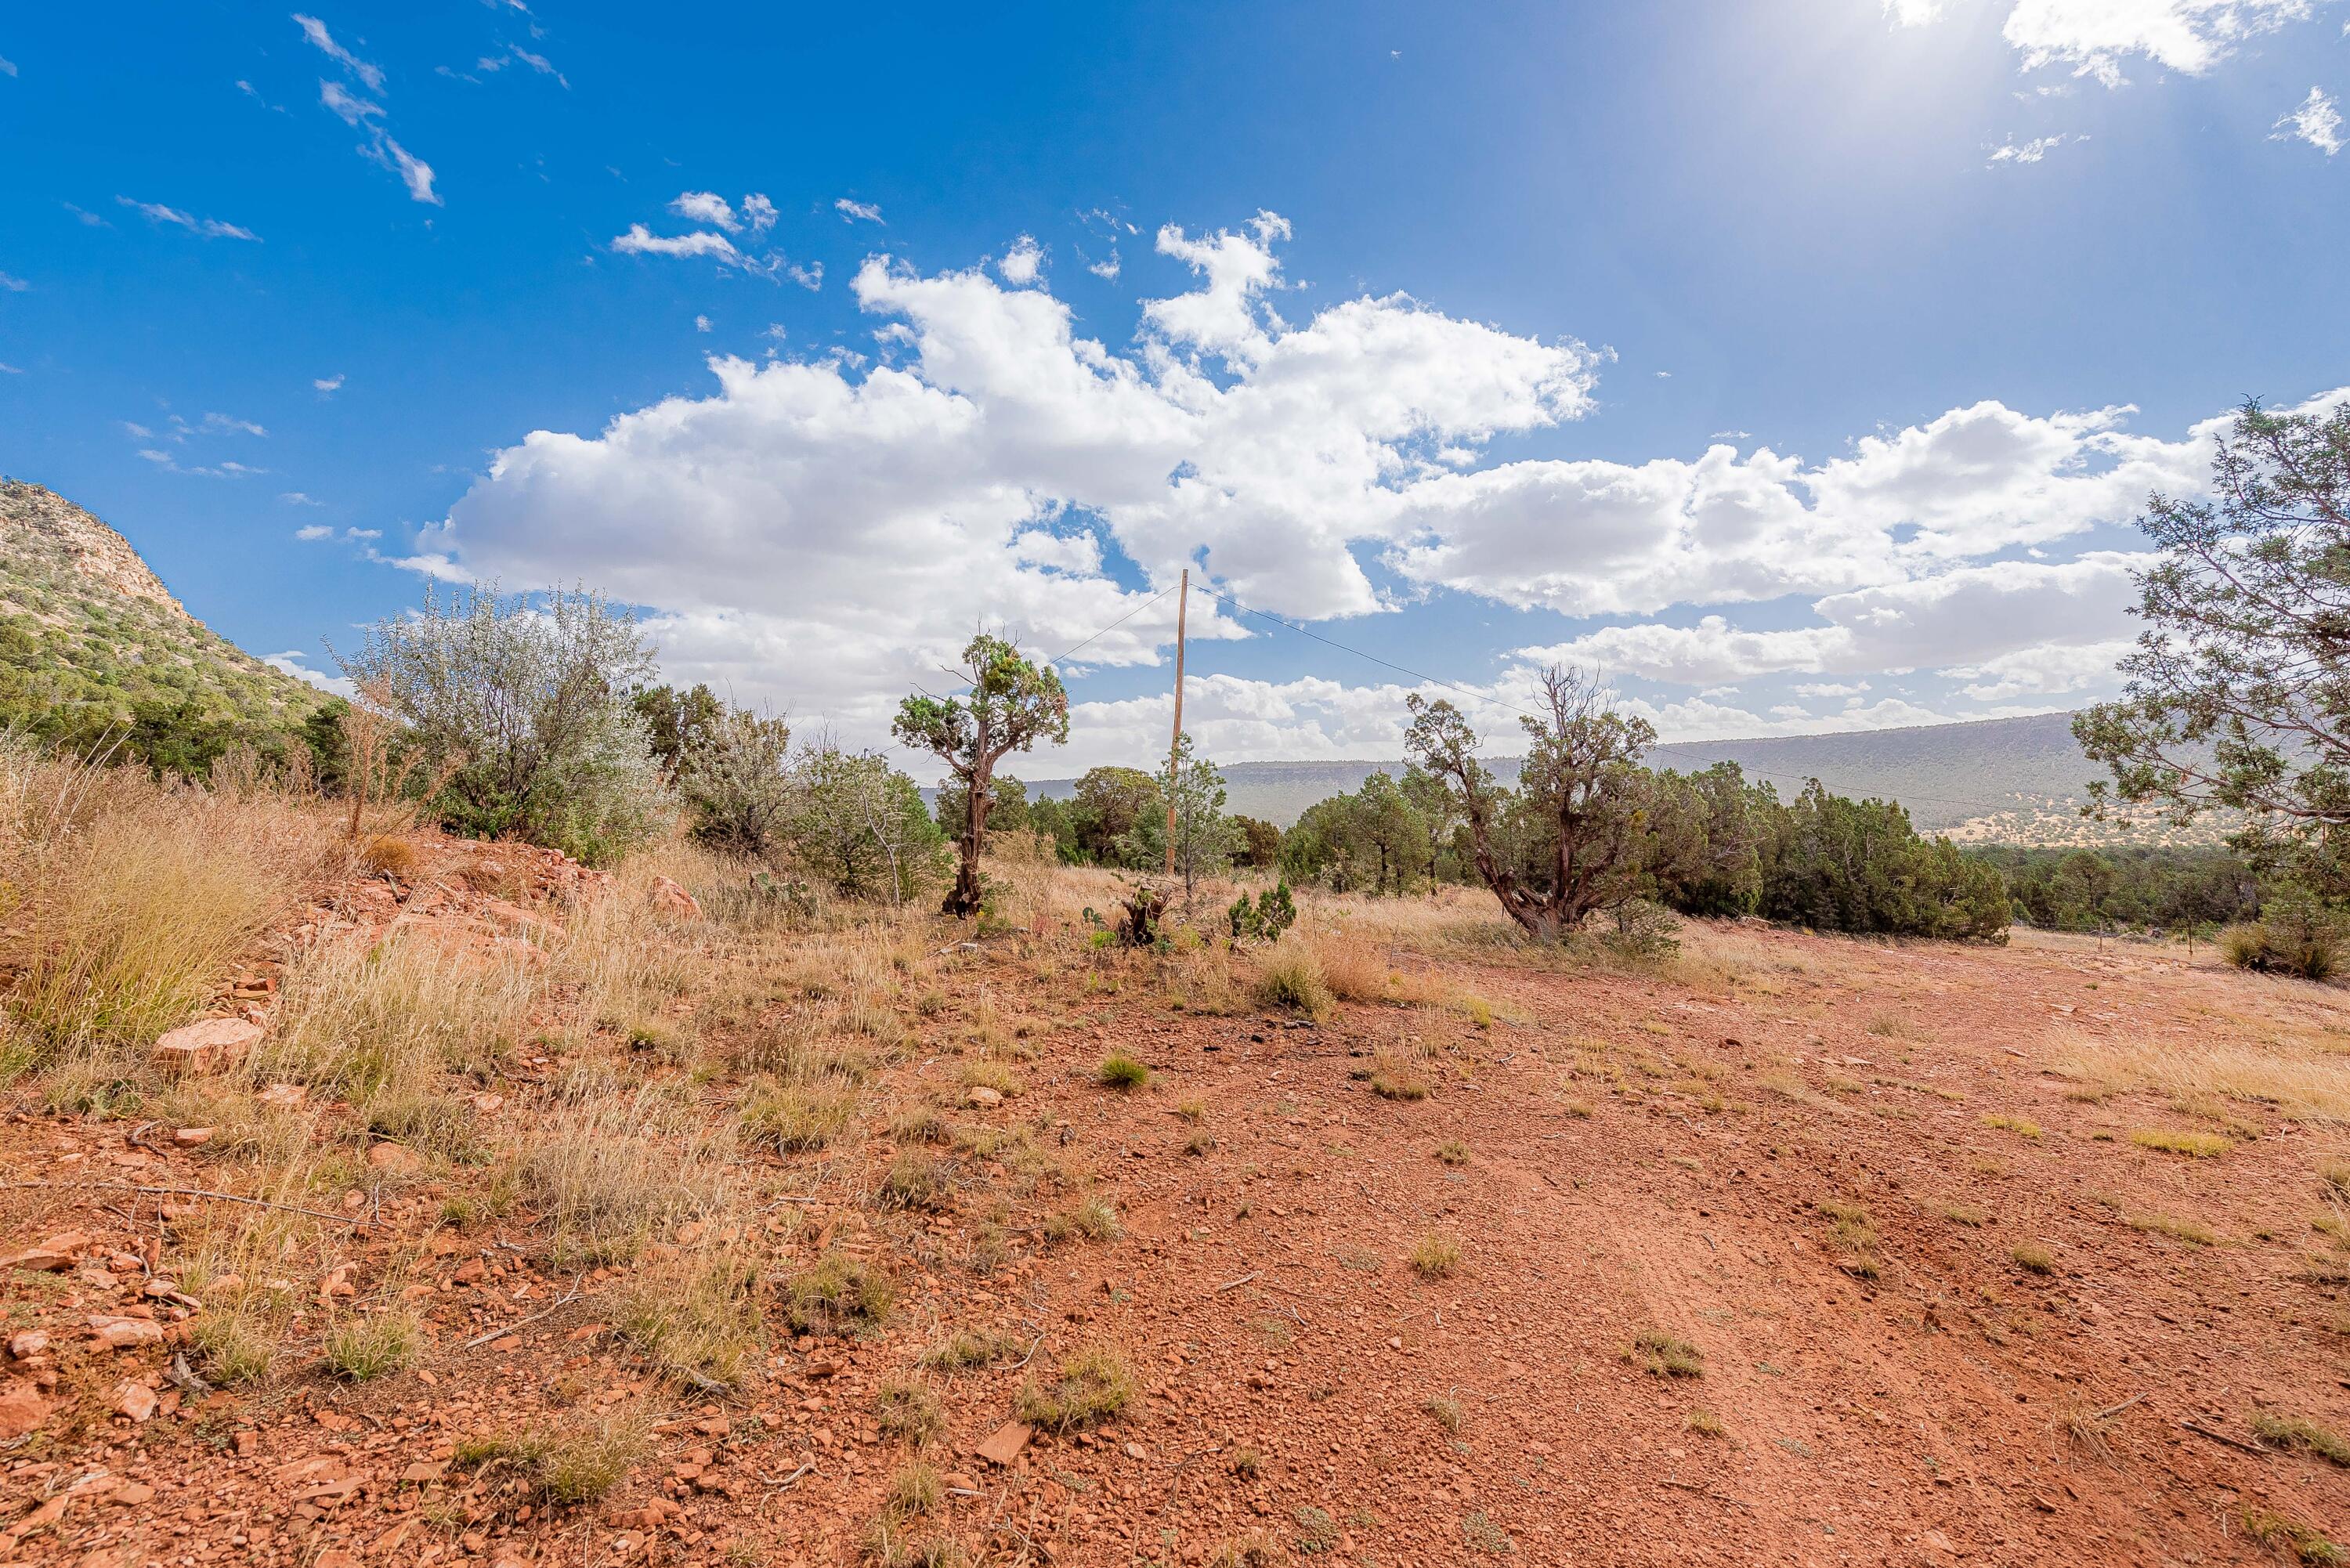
<point>1121,1071</point>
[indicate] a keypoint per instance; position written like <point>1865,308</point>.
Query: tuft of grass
<point>917,1178</point>
<point>914,1491</point>
<point>906,1410</point>
<point>390,853</point>
<point>794,1117</point>
<point>837,1294</point>
<point>1966,1214</point>
<point>1394,1078</point>
<point>1095,1384</point>
<point>979,1073</point>
<point>962,1350</point>
<point>2306,1544</point>
<point>2188,1230</point>
<point>2181,1140</point>
<point>697,1316</point>
<point>1244,1462</point>
<point>1093,1217</point>
<point>1247,1552</point>
<point>2023,1127</point>
<point>1435,1255</point>
<point>1290,977</point>
<point>1453,1151</point>
<point>2299,1432</point>
<point>1705,1424</point>
<point>2336,1179</point>
<point>364,1348</point>
<point>1661,1355</point>
<point>921,1124</point>
<point>1446,1411</point>
<point>611,1171</point>
<point>1850,1229</point>
<point>2032,1258</point>
<point>577,1464</point>
<point>238,1346</point>
<point>1121,1071</point>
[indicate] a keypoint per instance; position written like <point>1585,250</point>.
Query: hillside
<point>2012,780</point>
<point>92,645</point>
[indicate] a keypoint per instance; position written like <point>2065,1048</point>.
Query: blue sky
<point>1799,366</point>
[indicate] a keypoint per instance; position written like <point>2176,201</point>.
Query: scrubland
<point>668,1216</point>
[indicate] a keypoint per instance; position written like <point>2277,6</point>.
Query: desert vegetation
<point>590,1122</point>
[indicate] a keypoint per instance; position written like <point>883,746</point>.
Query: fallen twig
<point>189,1192</point>
<point>2110,1411</point>
<point>2203,1431</point>
<point>790,1480</point>
<point>1701,1491</point>
<point>1235,1284</point>
<point>547,1311</point>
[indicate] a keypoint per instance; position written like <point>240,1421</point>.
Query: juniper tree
<point>1569,839</point>
<point>2238,693</point>
<point>1013,703</point>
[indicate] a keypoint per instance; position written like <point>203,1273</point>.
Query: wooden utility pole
<point>1175,744</point>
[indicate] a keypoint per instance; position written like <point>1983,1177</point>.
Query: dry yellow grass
<point>2292,1072</point>
<point>129,900</point>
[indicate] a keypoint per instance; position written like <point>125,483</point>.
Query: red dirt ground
<point>1262,1291</point>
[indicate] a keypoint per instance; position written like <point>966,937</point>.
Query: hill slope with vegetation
<point>95,653</point>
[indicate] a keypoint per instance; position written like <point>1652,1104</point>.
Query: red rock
<point>283,1096</point>
<point>27,1343</point>
<point>1004,1444</point>
<point>22,1408</point>
<point>135,1400</point>
<point>980,1095</point>
<point>673,899</point>
<point>206,1047</point>
<point>393,1156</point>
<point>132,1494</point>
<point>190,1137</point>
<point>53,1256</point>
<point>126,1332</point>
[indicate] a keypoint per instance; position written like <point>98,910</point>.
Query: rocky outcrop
<point>40,519</point>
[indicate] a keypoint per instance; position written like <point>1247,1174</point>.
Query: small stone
<point>135,1400</point>
<point>206,1047</point>
<point>132,1494</point>
<point>980,1095</point>
<point>283,1096</point>
<point>957,1481</point>
<point>1004,1444</point>
<point>27,1343</point>
<point>393,1156</point>
<point>1135,1451</point>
